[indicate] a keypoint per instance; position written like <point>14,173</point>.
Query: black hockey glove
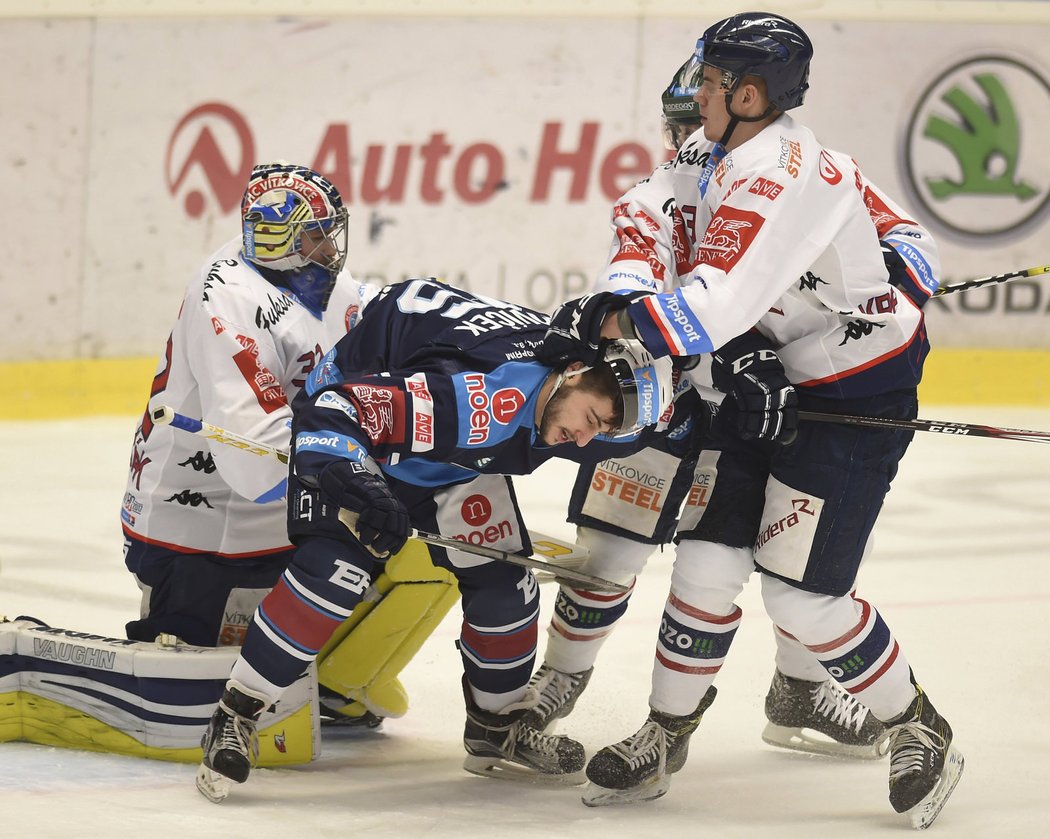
<point>760,403</point>
<point>382,523</point>
<point>576,326</point>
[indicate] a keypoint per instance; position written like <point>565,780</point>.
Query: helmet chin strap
<point>558,382</point>
<point>735,118</point>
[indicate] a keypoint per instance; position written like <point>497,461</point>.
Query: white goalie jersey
<point>239,353</point>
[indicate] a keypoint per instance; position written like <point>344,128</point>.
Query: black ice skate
<point>504,745</point>
<point>924,766</point>
<point>640,767</point>
<point>557,692</point>
<point>231,746</point>
<point>338,712</point>
<point>822,718</point>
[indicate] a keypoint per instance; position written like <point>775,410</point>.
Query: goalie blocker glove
<point>382,523</point>
<point>760,403</point>
<point>576,327</point>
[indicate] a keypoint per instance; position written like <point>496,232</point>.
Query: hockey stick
<point>569,574</point>
<point>998,278</point>
<point>165,415</point>
<point>956,429</point>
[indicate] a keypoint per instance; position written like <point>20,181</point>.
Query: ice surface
<point>960,572</point>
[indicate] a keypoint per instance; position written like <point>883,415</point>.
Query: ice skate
<point>557,694</point>
<point>231,745</point>
<point>338,712</point>
<point>924,766</point>
<point>502,744</point>
<point>821,718</point>
<point>640,767</point>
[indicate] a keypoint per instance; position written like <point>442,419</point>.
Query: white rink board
<point>133,138</point>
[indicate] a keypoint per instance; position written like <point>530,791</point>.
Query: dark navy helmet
<point>681,112</point>
<point>760,44</point>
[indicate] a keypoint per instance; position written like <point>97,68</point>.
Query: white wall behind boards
<point>486,149</point>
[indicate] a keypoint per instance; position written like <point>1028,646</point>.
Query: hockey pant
<point>808,510</point>
<point>204,599</point>
<point>330,574</point>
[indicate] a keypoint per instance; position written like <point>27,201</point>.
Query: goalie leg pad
<point>363,659</point>
<point>82,691</point>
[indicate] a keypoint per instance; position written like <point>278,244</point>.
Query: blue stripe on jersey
<point>277,492</point>
<point>331,443</point>
<point>918,267</point>
<point>324,374</point>
<point>667,326</point>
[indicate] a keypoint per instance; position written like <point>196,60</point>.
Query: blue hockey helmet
<point>681,112</point>
<point>760,44</point>
<point>293,221</point>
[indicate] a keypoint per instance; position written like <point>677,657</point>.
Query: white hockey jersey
<point>239,353</point>
<point>785,239</point>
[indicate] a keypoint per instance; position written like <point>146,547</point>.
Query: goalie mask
<point>293,221</point>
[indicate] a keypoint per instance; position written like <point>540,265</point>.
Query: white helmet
<point>645,384</point>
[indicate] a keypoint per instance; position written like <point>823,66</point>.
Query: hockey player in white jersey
<point>784,248</point>
<point>205,526</point>
<point>805,708</point>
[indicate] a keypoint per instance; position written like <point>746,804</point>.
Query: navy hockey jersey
<point>437,385</point>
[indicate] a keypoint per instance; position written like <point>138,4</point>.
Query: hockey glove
<point>382,523</point>
<point>760,403</point>
<point>576,326</point>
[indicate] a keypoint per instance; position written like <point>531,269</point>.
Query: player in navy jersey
<point>415,419</point>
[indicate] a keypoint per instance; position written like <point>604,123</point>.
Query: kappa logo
<point>200,149</point>
<point>200,462</point>
<point>972,154</point>
<point>189,499</point>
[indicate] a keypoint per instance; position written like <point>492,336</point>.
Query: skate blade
<point>212,785</point>
<point>923,813</point>
<point>813,742</point>
<point>503,770</point>
<point>596,796</point>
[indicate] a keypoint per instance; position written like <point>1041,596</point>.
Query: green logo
<point>970,150</point>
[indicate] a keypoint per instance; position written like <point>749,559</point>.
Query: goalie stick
<point>955,429</point>
<point>166,415</point>
<point>998,278</point>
